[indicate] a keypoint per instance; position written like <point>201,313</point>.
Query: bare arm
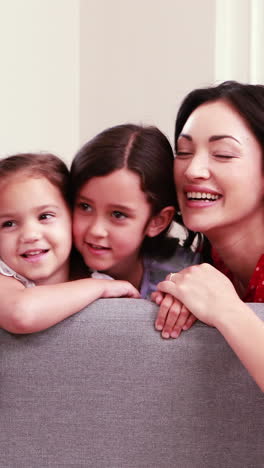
<point>245,334</point>
<point>211,297</point>
<point>28,310</point>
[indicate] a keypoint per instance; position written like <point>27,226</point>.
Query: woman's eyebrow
<point>212,138</point>
<point>184,135</point>
<point>220,137</point>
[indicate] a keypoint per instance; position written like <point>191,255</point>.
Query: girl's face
<point>111,218</point>
<point>218,172</point>
<point>35,229</point>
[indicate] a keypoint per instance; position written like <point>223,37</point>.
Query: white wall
<point>39,77</point>
<point>239,40</point>
<point>70,68</point>
<point>139,58</point>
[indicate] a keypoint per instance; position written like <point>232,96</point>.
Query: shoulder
<point>260,264</point>
<point>9,285</point>
<point>156,270</point>
<point>6,271</point>
<point>181,258</point>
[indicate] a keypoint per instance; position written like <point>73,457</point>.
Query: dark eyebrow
<point>37,208</point>
<point>220,137</point>
<point>212,138</point>
<point>184,135</point>
<point>117,207</point>
<point>125,208</point>
<point>45,207</point>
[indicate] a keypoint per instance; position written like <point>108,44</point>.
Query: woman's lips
<point>200,197</point>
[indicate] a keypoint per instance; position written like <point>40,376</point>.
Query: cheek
<point>7,242</point>
<point>79,227</point>
<point>175,171</point>
<point>8,248</point>
<point>130,241</point>
<point>68,226</point>
<point>178,172</point>
<point>76,231</point>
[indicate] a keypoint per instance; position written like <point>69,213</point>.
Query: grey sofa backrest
<point>103,390</point>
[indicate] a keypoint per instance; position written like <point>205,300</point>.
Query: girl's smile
<point>111,219</point>
<point>97,249</point>
<point>34,255</point>
<point>35,229</point>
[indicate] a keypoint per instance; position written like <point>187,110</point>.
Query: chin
<point>195,223</point>
<point>196,227</point>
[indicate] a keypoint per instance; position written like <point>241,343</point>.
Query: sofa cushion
<point>102,389</point>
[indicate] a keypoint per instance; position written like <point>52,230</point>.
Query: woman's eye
<point>224,156</point>
<point>183,154</point>
<point>46,216</point>
<point>119,215</point>
<point>8,224</point>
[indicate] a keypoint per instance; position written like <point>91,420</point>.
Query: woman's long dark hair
<point>247,100</point>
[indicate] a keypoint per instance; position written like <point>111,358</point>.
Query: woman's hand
<point>203,290</point>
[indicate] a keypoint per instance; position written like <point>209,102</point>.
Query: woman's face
<point>218,172</point>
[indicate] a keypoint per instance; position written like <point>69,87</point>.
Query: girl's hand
<point>173,316</point>
<point>116,288</point>
<point>206,292</point>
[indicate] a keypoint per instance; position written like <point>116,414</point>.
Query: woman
<point>219,142</point>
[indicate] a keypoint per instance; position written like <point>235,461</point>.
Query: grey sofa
<point>103,390</point>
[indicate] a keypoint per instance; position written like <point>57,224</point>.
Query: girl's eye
<point>84,206</point>
<point>119,215</point>
<point>8,224</point>
<point>44,216</point>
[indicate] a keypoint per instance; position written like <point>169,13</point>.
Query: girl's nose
<point>198,168</point>
<point>98,228</point>
<point>30,233</point>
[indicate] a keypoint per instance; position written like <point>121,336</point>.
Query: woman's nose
<point>198,168</point>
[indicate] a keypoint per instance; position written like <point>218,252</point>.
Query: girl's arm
<point>211,297</point>
<point>28,310</point>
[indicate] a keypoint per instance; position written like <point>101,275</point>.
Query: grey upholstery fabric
<point>103,390</point>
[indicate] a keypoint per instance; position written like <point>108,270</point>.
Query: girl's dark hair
<point>38,165</point>
<point>143,150</point>
<point>246,99</point>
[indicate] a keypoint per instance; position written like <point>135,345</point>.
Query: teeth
<point>37,252</point>
<point>206,196</point>
<point>97,247</point>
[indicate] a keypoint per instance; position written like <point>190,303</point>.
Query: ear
<point>160,221</point>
